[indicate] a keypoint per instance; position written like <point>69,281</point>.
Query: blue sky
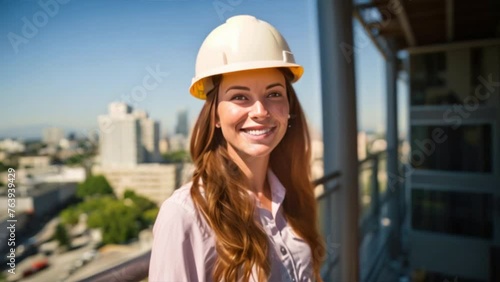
<point>63,66</point>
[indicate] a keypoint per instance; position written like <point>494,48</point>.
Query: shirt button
<point>283,251</point>
<point>292,275</point>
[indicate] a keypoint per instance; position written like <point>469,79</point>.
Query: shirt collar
<point>277,191</point>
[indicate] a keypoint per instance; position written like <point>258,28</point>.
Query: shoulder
<point>183,245</point>
<point>182,198</point>
<point>178,212</point>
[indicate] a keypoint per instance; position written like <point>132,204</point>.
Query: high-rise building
<point>127,138</point>
<point>150,133</point>
<point>129,147</point>
<point>52,135</point>
<point>182,126</point>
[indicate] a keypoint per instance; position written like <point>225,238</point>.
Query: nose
<point>258,110</point>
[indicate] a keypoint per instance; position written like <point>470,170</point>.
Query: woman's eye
<point>275,94</point>
<point>238,97</point>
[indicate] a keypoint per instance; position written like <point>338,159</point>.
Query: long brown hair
<point>241,243</point>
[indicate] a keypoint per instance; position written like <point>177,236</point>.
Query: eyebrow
<point>237,87</point>
<point>274,84</point>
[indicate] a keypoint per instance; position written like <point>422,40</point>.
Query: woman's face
<point>253,111</point>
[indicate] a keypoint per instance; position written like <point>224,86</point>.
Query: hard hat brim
<point>201,85</point>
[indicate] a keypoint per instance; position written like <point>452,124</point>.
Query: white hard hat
<point>242,43</point>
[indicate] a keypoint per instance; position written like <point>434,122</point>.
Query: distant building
<point>33,161</point>
<point>177,142</point>
<point>43,198</point>
<point>3,156</point>
<point>154,181</point>
<point>186,174</point>
<point>33,204</point>
<point>52,136</point>
<point>182,127</point>
<point>362,145</point>
<point>71,136</point>
<point>119,141</point>
<point>48,151</point>
<point>317,156</point>
<point>378,145</point>
<point>164,146</point>
<point>58,174</point>
<point>150,132</point>
<point>317,153</point>
<point>68,144</point>
<point>92,136</point>
<point>127,138</point>
<point>12,146</point>
<point>30,177</point>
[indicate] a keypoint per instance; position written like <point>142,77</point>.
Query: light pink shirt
<point>184,249</point>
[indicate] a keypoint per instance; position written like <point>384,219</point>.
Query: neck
<point>254,168</point>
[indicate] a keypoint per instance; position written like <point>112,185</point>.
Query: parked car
<point>36,266</point>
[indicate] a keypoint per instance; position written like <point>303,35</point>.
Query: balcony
<point>366,205</point>
<point>374,225</point>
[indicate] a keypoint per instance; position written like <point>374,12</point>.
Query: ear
<point>217,120</point>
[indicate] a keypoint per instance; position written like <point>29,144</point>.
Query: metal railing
<point>374,194</point>
<point>325,206</point>
<point>135,269</point>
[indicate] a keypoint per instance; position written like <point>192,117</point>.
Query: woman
<point>249,213</point>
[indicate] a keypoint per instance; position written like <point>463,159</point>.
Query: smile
<point>258,132</point>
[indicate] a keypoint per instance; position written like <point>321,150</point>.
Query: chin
<point>255,151</point>
<point>257,154</point>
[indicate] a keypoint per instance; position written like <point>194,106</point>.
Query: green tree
<point>75,159</point>
<point>176,157</point>
<point>70,215</point>
<point>147,208</point>
<point>117,221</point>
<point>149,216</point>
<point>3,167</point>
<point>94,204</point>
<point>141,202</point>
<point>94,186</point>
<point>61,235</point>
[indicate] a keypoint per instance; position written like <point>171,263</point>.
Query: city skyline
<point>87,55</point>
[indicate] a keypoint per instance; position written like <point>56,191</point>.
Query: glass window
<point>463,76</point>
<point>494,262</point>
<point>461,213</point>
<point>485,74</point>
<point>464,148</point>
<point>428,79</point>
<point>431,276</point>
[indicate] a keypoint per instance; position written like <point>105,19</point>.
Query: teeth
<point>258,132</point>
